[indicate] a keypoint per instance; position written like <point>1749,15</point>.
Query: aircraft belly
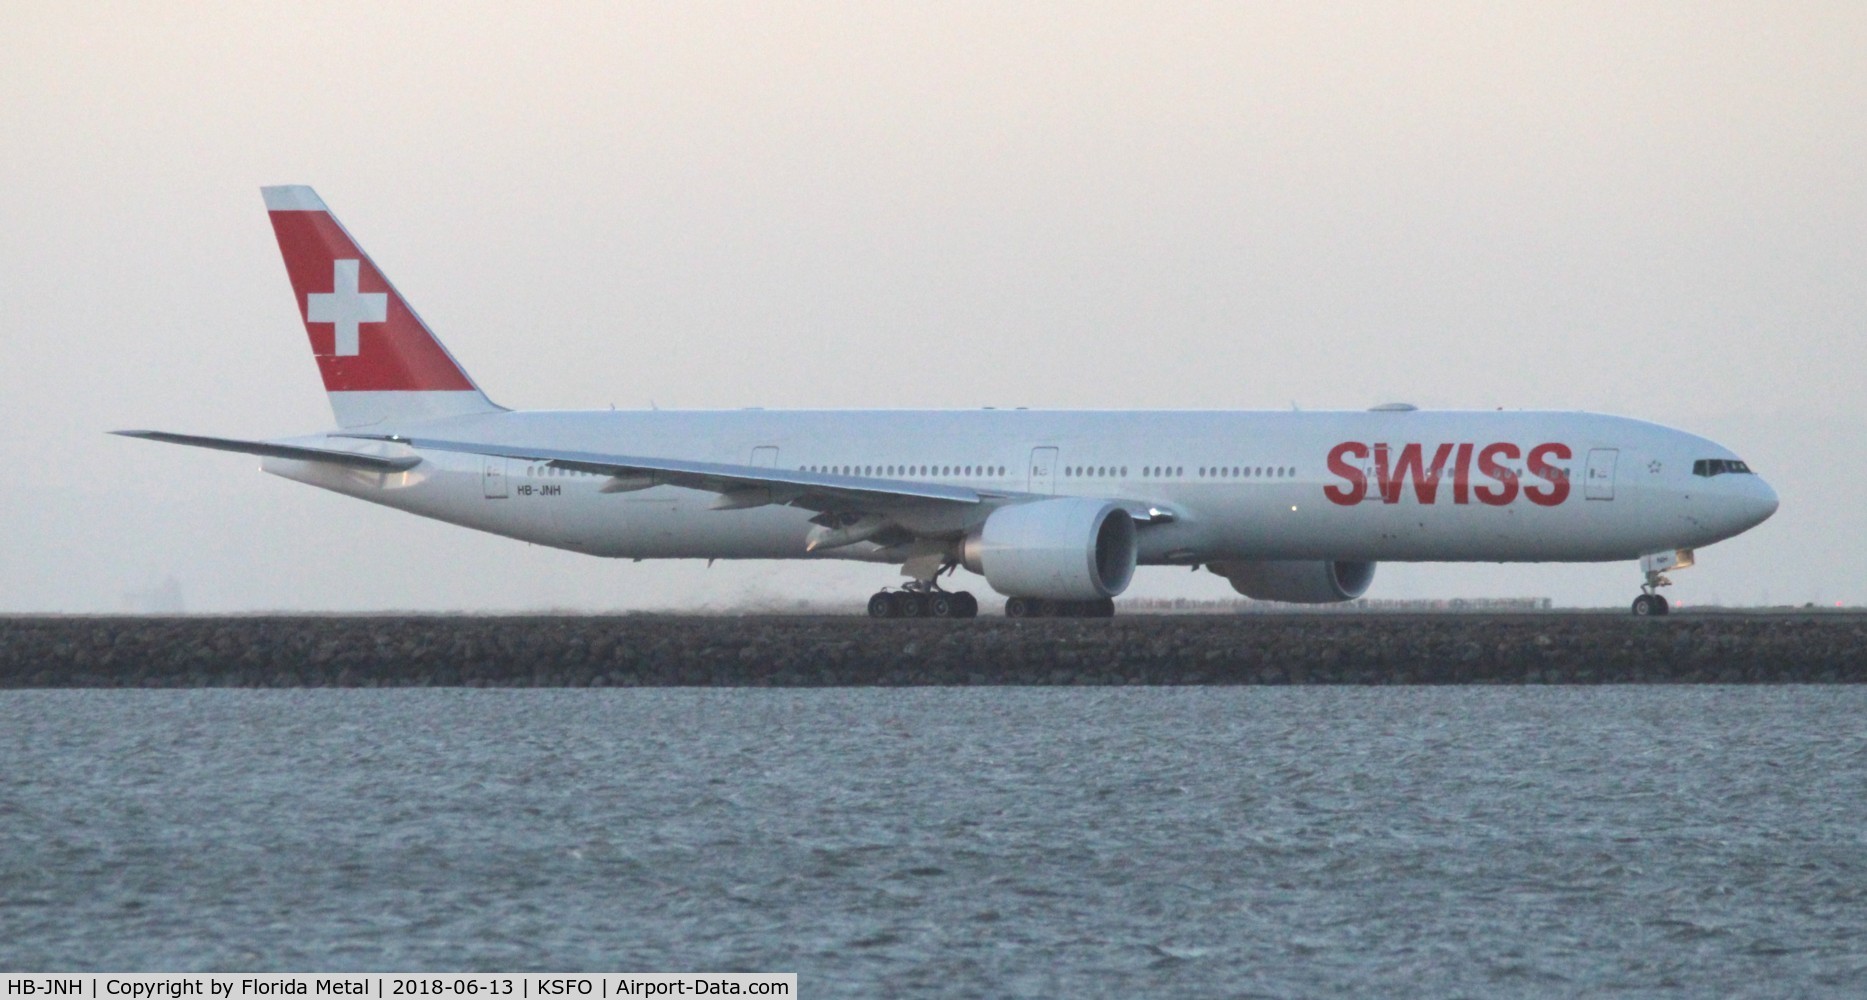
<point>679,524</point>
<point>1292,523</point>
<point>655,524</point>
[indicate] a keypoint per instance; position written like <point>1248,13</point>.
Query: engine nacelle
<point>1069,549</point>
<point>1308,582</point>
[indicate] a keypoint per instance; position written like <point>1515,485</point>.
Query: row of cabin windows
<point>1248,472</point>
<point>1179,471</point>
<point>1069,472</point>
<point>907,470</point>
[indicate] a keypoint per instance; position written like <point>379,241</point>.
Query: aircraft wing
<point>738,486</point>
<point>355,460</point>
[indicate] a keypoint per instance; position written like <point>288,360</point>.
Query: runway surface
<point>770,650</point>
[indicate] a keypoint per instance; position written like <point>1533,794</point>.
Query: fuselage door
<point>1043,470</point>
<point>493,475</point>
<point>1600,482</point>
<point>765,456</point>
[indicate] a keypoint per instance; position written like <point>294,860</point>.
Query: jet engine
<point>1070,549</point>
<point>1305,582</point>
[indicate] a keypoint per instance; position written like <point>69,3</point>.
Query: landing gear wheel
<point>1647,605</point>
<point>1020,607</point>
<point>1661,606</point>
<point>964,605</point>
<point>883,605</point>
<point>940,605</point>
<point>912,605</point>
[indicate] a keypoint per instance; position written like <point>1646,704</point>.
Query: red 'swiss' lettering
<point>1357,488</point>
<point>1498,485</point>
<point>1425,481</point>
<point>1558,489</point>
<point>1487,466</point>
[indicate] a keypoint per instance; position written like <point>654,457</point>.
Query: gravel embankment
<point>653,650</point>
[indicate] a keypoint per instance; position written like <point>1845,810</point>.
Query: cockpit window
<point>1718,467</point>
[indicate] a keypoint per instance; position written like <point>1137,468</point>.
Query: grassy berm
<point>657,650</point>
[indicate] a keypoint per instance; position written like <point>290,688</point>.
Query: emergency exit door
<point>494,478</point>
<point>1043,470</point>
<point>1599,484</point>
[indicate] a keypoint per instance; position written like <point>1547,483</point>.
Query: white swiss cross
<point>346,307</point>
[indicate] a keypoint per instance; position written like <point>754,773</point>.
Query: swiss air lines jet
<point>1054,509</point>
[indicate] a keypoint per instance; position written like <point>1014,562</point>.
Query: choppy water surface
<point>1199,842</point>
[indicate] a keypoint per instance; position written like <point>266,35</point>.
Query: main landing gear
<point>915,601</point>
<point>1043,607</point>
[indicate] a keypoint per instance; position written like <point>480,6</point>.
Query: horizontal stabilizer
<point>374,463</point>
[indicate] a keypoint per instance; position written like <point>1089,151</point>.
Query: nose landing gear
<point>1650,604</point>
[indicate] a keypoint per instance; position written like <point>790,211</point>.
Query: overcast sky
<point>1657,210</point>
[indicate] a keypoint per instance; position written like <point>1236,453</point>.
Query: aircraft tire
<point>1020,607</point>
<point>883,606</point>
<point>1644,606</point>
<point>965,605</point>
<point>912,605</point>
<point>940,606</point>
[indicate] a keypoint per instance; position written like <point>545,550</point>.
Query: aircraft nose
<point>1757,502</point>
<point>1766,501</point>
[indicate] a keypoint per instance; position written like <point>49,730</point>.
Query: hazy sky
<point>1657,210</point>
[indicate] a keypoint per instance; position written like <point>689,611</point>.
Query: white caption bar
<point>389,986</point>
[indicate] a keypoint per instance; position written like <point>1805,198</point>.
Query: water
<point>1102,842</point>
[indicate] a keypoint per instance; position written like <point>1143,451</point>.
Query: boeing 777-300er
<point>1054,508</point>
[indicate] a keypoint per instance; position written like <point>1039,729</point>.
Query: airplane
<point>1055,509</point>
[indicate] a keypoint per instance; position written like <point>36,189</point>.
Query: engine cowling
<point>1070,549</point>
<point>1306,582</point>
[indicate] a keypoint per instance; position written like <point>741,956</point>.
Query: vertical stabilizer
<point>379,361</point>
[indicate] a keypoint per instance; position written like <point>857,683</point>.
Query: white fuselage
<point>1238,485</point>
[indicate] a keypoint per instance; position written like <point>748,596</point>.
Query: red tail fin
<point>378,359</point>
